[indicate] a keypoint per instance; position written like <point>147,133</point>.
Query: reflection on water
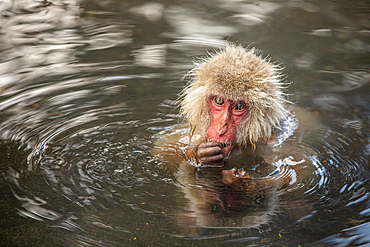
<point>85,87</point>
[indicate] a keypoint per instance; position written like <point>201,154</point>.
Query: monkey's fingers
<point>210,151</point>
<point>210,144</point>
<point>210,159</point>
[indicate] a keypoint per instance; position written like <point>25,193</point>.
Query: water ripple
<point>87,87</point>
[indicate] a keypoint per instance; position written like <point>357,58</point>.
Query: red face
<point>226,116</point>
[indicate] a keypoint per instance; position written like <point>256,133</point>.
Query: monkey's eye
<point>219,100</point>
<point>239,106</point>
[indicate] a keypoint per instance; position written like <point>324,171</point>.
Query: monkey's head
<point>234,96</point>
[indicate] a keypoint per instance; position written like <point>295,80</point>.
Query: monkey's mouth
<point>225,144</point>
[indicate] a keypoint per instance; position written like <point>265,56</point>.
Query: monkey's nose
<point>222,129</point>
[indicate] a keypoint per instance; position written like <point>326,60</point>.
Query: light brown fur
<point>236,74</point>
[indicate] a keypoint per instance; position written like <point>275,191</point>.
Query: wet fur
<point>236,73</point>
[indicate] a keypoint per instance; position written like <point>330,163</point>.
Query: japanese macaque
<point>234,98</point>
<point>235,106</point>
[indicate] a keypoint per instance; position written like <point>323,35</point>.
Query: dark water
<point>86,85</point>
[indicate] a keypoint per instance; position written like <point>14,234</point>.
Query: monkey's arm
<point>172,148</point>
<point>175,146</point>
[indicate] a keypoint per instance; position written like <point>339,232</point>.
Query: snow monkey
<point>234,98</point>
<point>236,109</point>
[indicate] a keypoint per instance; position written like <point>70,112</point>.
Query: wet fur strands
<point>236,73</point>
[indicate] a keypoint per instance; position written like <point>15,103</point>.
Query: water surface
<point>86,86</point>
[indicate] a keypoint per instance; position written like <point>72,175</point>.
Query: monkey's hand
<point>210,152</point>
<point>207,153</point>
<point>237,179</point>
<point>241,180</point>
